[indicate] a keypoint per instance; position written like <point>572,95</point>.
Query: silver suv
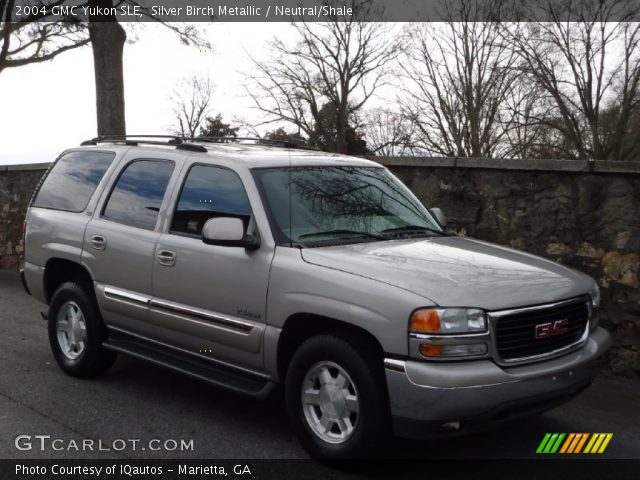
<point>249,265</point>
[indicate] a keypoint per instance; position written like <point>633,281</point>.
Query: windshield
<point>331,204</point>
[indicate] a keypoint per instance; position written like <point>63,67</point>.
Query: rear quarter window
<point>72,181</point>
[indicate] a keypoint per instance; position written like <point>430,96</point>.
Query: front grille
<point>516,332</point>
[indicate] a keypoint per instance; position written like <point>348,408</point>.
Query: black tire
<point>372,424</point>
<point>93,360</point>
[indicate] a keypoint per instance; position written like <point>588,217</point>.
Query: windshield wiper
<point>409,229</point>
<point>343,232</point>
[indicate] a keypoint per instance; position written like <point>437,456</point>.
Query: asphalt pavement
<point>135,401</point>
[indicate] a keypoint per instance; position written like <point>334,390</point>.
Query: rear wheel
<point>76,332</point>
<point>336,399</point>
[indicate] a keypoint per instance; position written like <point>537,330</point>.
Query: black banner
<point>578,469</point>
<point>323,10</point>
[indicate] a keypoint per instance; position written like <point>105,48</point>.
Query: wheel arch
<point>301,326</point>
<point>60,270</point>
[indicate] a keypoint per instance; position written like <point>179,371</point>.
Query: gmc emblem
<point>551,329</point>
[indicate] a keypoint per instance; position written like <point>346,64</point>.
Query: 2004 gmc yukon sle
<point>249,265</point>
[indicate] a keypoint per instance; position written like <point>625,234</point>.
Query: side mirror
<point>440,216</point>
<point>229,232</point>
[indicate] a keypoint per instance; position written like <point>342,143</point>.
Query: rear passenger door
<point>210,299</point>
<point>119,241</point>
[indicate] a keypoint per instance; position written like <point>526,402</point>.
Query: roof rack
<point>190,143</point>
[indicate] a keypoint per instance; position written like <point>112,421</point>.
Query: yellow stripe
<point>606,442</point>
<point>567,442</point>
<point>584,439</point>
<point>574,443</point>
<point>598,442</point>
<point>591,442</point>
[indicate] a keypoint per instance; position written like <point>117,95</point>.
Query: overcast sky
<point>48,107</point>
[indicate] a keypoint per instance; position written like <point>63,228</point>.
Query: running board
<point>209,371</point>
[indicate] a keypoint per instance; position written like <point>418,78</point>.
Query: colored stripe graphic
<point>573,443</point>
<point>581,442</point>
<point>550,443</point>
<point>567,442</point>
<point>608,438</point>
<point>543,443</point>
<point>591,442</point>
<point>556,445</point>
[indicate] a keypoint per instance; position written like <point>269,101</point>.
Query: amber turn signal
<point>425,321</point>
<point>431,350</point>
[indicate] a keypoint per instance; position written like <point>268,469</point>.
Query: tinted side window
<point>72,180</point>
<point>209,192</point>
<point>138,193</point>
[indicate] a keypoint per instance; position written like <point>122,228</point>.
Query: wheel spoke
<point>351,402</point>
<point>342,380</point>
<point>312,397</point>
<point>326,423</point>
<point>345,426</point>
<point>325,376</point>
<point>63,326</point>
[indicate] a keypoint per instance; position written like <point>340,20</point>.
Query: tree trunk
<point>342,121</point>
<point>107,40</point>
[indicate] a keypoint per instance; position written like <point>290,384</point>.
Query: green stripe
<point>547,449</point>
<point>543,443</point>
<point>557,445</point>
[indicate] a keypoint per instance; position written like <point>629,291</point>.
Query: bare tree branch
<point>36,39</point>
<point>342,62</point>
<point>457,77</point>
<point>388,133</point>
<point>191,104</point>
<point>587,66</point>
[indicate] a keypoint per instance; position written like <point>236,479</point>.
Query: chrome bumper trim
<point>394,365</point>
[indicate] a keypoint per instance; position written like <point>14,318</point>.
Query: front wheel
<point>336,398</point>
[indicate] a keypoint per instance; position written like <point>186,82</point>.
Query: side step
<point>210,371</point>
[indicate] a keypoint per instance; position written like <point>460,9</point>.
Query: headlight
<point>594,293</point>
<point>448,320</point>
<point>448,334</point>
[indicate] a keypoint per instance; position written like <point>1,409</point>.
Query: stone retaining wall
<point>17,183</point>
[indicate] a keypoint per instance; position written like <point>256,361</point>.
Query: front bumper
<point>427,398</point>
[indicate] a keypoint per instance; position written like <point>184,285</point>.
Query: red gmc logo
<point>545,330</point>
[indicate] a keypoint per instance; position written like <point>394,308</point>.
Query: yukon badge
<point>551,329</point>
<point>248,314</point>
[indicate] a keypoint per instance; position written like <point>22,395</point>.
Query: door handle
<point>166,258</point>
<point>98,242</point>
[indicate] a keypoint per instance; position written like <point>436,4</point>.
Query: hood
<point>456,271</point>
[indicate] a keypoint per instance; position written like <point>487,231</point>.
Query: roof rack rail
<point>190,143</point>
<point>257,140</point>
